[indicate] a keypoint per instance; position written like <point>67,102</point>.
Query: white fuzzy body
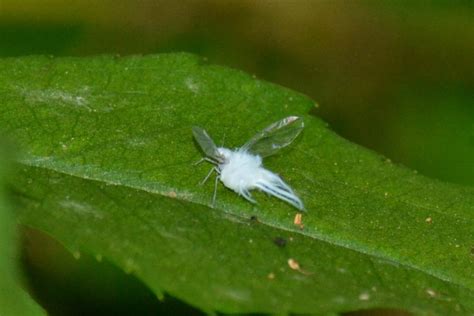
<point>241,172</point>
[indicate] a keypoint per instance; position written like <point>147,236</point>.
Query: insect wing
<point>276,136</point>
<point>205,141</point>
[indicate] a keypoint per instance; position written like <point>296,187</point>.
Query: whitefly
<point>241,169</point>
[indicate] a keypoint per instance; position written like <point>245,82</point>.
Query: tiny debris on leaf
<point>431,292</point>
<point>429,220</point>
<point>172,194</point>
<point>279,241</point>
<point>364,296</point>
<point>271,276</point>
<point>293,264</point>
<point>299,220</point>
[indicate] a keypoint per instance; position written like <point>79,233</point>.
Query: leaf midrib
<point>334,242</point>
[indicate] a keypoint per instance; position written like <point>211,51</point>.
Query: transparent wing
<point>276,136</point>
<point>205,141</point>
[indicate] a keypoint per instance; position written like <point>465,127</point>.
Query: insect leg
<point>215,187</point>
<point>208,175</point>
<point>205,159</point>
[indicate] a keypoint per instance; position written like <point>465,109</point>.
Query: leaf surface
<point>108,169</point>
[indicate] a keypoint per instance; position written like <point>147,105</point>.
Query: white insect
<point>241,169</point>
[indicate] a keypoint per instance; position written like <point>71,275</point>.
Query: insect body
<point>241,170</point>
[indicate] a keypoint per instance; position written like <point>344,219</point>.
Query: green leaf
<point>13,299</point>
<point>108,169</point>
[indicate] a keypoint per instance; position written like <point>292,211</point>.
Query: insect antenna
<point>223,140</point>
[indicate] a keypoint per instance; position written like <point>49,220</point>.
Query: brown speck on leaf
<point>298,220</point>
<point>429,220</point>
<point>431,292</point>
<point>293,264</point>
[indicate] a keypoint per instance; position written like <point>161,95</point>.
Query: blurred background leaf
<point>14,300</point>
